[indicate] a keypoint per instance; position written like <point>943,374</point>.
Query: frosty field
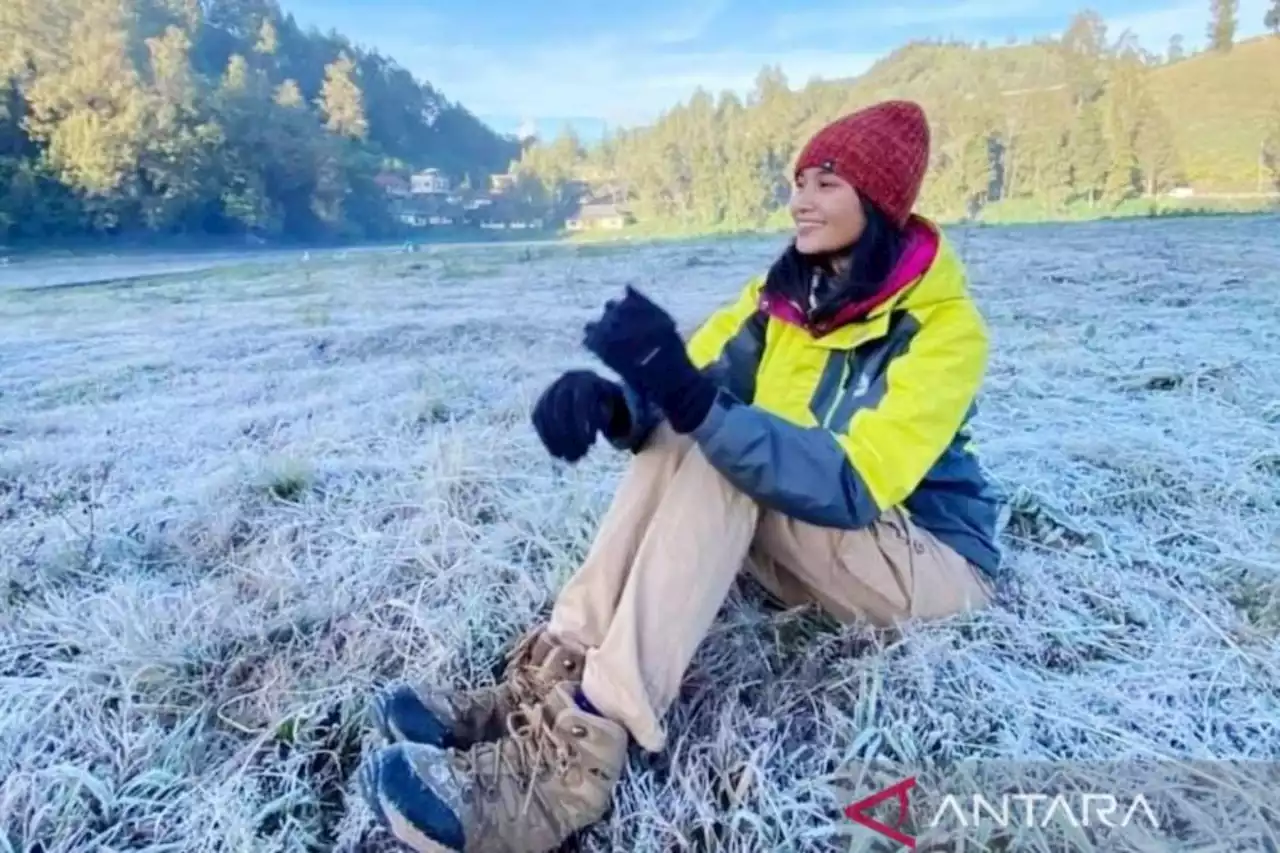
<point>235,502</point>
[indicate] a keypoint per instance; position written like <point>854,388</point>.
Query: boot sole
<point>378,715</point>
<point>368,780</point>
<point>384,767</point>
<point>401,829</point>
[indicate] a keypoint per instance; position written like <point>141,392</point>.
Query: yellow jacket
<point>834,425</point>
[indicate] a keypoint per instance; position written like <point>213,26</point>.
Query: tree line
<point>217,117</point>
<point>210,117</point>
<point>1065,122</point>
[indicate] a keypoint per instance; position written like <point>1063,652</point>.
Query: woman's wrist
<point>618,424</point>
<point>687,402</point>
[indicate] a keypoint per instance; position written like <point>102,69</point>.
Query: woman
<point>812,430</point>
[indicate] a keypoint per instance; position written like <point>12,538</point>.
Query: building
<point>499,184</point>
<point>429,182</point>
<point>610,191</point>
<point>426,210</point>
<point>606,216</point>
<point>392,184</point>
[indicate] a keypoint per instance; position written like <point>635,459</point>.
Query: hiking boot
<point>551,776</point>
<point>458,719</point>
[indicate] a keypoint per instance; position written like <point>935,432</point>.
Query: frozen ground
<point>234,502</point>
<point>64,270</point>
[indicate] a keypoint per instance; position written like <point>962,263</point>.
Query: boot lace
<point>520,677</point>
<point>532,751</point>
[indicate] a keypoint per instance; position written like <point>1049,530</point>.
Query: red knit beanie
<point>882,150</point>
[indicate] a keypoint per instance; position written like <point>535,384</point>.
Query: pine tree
<point>1176,51</point>
<point>1122,173</point>
<point>1271,147</point>
<point>745,185</point>
<point>703,152</point>
<point>774,118</point>
<point>1083,47</point>
<point>245,196</point>
<point>555,166</point>
<point>1088,154</point>
<point>1126,92</point>
<point>1153,145</point>
<point>88,105</point>
<point>1272,19</point>
<point>238,77</point>
<point>1223,24</point>
<point>341,100</point>
<point>289,95</point>
<point>182,142</point>
<point>268,40</point>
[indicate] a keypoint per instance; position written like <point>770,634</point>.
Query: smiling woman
<point>812,432</point>
<point>830,217</point>
<point>827,212</point>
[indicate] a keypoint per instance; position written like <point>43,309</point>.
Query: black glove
<point>574,408</point>
<point>639,340</point>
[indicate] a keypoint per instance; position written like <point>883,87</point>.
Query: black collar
<point>794,276</point>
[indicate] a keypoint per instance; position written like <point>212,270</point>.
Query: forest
<point>211,117</point>
<point>1080,124</point>
<point>156,118</point>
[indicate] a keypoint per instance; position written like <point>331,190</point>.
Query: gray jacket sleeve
<point>801,472</point>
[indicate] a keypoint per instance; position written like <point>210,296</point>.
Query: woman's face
<point>826,211</point>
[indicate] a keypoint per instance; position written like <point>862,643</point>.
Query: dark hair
<point>871,260</point>
<point>876,253</point>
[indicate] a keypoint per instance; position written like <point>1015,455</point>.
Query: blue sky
<point>591,63</point>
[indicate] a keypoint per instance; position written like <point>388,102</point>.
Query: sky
<point>594,64</point>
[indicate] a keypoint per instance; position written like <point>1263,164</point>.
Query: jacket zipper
<point>841,388</point>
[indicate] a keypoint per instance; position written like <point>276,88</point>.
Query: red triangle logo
<point>858,812</point>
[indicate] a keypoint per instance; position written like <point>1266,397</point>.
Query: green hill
<point>924,68</point>
<point>1221,108</point>
<point>1080,125</point>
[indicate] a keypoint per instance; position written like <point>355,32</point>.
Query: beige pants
<point>669,549</point>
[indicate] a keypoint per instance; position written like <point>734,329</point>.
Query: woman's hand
<point>639,340</point>
<point>573,409</point>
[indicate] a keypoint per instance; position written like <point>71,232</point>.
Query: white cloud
<point>690,22</point>
<point>630,78</point>
<point>606,77</point>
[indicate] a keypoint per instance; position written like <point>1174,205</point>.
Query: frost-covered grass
<point>234,503</point>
